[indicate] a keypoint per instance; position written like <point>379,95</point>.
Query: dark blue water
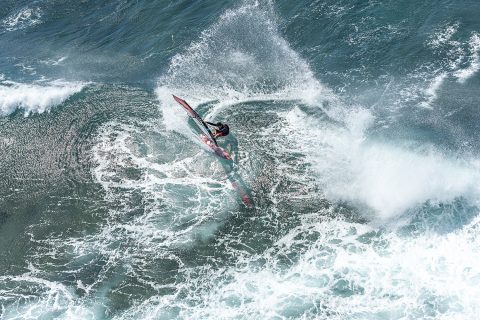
<point>355,131</point>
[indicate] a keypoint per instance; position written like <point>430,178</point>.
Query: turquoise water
<point>355,130</point>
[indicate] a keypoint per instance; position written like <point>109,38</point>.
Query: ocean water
<point>357,136</point>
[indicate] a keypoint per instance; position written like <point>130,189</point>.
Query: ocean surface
<point>357,130</point>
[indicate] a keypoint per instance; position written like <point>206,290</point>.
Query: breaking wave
<point>35,98</point>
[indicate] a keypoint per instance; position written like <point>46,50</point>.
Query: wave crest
<point>35,98</point>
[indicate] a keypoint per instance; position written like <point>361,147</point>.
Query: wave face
<point>356,131</point>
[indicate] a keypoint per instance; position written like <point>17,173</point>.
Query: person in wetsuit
<point>221,129</point>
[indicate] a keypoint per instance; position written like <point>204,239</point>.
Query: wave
<point>35,98</point>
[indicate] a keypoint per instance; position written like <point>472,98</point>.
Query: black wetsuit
<point>220,128</point>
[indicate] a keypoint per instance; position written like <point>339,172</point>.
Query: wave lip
<point>35,98</point>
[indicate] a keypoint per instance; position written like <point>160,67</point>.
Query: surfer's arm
<point>212,124</point>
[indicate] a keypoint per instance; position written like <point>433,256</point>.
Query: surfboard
<point>206,136</point>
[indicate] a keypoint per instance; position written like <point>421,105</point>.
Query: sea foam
<point>35,98</point>
<point>386,178</point>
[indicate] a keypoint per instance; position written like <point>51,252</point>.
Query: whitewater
<point>356,135</point>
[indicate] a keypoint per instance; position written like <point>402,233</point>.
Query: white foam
<point>385,178</point>
<point>391,180</point>
<point>462,58</point>
<point>39,298</point>
<point>473,59</point>
<point>174,119</point>
<point>456,58</point>
<point>182,202</point>
<point>22,19</point>
<point>54,62</point>
<point>443,37</point>
<point>431,91</point>
<point>335,270</point>
<point>186,191</point>
<point>35,98</point>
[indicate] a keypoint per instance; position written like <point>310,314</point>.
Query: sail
<point>198,120</point>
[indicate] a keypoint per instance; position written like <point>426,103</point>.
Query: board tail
<point>247,201</point>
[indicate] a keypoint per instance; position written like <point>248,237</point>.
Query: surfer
<point>221,129</point>
<point>207,136</point>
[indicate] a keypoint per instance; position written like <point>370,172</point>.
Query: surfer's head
<point>225,129</point>
<point>222,130</point>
